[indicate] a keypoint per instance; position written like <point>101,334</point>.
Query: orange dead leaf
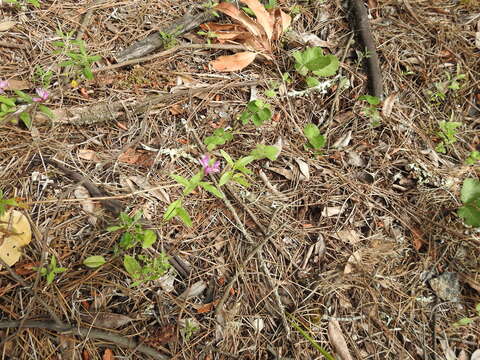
<point>205,308</point>
<point>175,109</point>
<point>263,17</point>
<point>417,238</point>
<point>121,126</point>
<point>134,157</point>
<point>235,62</point>
<point>235,13</point>
<point>90,155</point>
<point>107,355</point>
<point>85,355</point>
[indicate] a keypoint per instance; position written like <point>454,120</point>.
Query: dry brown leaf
<point>15,233</point>
<point>353,261</point>
<point>7,25</point>
<point>417,238</point>
<point>13,84</point>
<point>348,235</point>
<point>263,17</point>
<point>304,169</point>
<point>89,155</point>
<point>388,104</point>
<point>134,157</point>
<point>107,355</point>
<point>235,62</point>
<point>205,308</point>
<point>335,334</point>
<point>237,14</point>
<point>88,206</point>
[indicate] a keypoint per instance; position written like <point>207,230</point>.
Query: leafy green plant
<point>271,4</point>
<point>273,86</point>
<point>265,152</point>
<point>43,77</point>
<point>452,82</point>
<point>468,320</point>
<point>316,140</point>
<point>257,111</point>
<point>473,158</point>
<point>133,232</point>
<point>142,268</point>
<point>447,133</point>
<point>4,203</point>
<point>313,61</point>
<point>51,270</point>
<point>236,170</point>
<point>470,196</point>
<point>190,328</point>
<point>371,111</point>
<point>220,137</point>
<point>176,209</point>
<point>35,3</point>
<point>210,4</point>
<point>169,40</point>
<point>94,261</point>
<point>76,51</point>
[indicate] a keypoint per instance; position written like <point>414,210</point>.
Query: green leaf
<point>46,111</point>
<point>470,214</point>
<point>197,178</point>
<point>127,240</point>
<point>242,162</point>
<point>7,101</point>
<point>183,214</point>
<point>330,68</point>
<point>87,72</point>
<point>180,179</point>
<point>114,228</point>
<point>94,261</point>
<point>240,179</point>
<point>66,63</point>
<point>312,82</point>
<point>470,190</point>
<point>50,277</point>
<point>261,116</point>
<point>477,308</point>
<point>227,158</point>
<point>23,96</point>
<point>225,178</point>
<point>312,133</point>
<point>372,100</point>
<point>265,151</point>
<point>132,266</point>
<point>270,93</point>
<point>172,209</point>
<point>463,322</point>
<point>25,117</point>
<point>211,189</point>
<point>149,238</point>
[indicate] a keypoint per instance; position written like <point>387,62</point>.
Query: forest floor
<point>356,248</point>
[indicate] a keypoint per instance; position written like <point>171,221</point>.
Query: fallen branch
<point>154,41</point>
<point>86,333</point>
<point>360,17</point>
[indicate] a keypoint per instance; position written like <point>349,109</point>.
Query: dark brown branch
<point>86,333</point>
<point>154,41</point>
<point>362,26</point>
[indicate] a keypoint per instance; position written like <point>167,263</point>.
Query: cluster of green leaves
<point>316,140</point>
<point>210,4</point>
<point>473,158</point>
<point>140,267</point>
<point>189,329</point>
<point>4,203</point>
<point>447,133</point>
<point>470,196</point>
<point>169,40</point>
<point>51,270</point>
<point>35,3</point>
<point>257,111</point>
<point>220,137</point>
<point>43,77</point>
<point>76,51</point>
<point>9,107</point>
<point>371,111</point>
<point>451,83</point>
<point>468,320</point>
<point>312,61</point>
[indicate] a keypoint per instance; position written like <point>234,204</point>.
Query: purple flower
<point>208,167</point>
<point>3,86</point>
<point>43,95</point>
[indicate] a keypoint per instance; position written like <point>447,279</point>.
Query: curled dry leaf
<point>106,319</point>
<point>89,155</point>
<point>388,105</point>
<point>15,233</point>
<point>335,334</point>
<point>88,206</point>
<point>7,25</point>
<point>265,19</point>
<point>233,62</point>
<point>237,14</point>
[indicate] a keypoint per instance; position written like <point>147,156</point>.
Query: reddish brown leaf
<point>134,157</point>
<point>263,17</point>
<point>236,14</point>
<point>175,109</point>
<point>417,238</point>
<point>85,355</point>
<point>107,355</point>
<point>202,309</point>
<point>235,62</point>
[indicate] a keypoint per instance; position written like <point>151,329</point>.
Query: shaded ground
<point>379,196</point>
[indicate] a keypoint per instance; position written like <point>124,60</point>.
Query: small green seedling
<point>447,134</point>
<point>257,111</point>
<point>236,170</point>
<point>313,61</point>
<point>209,35</point>
<point>169,40</point>
<point>210,4</point>
<point>9,107</point>
<point>133,232</point>
<point>273,86</point>
<point>43,77</point>
<point>5,203</point>
<point>143,269</point>
<point>473,158</point>
<point>94,262</point>
<point>371,111</point>
<point>51,270</point>
<point>470,196</point>
<point>176,209</point>
<point>316,140</point>
<point>451,83</point>
<point>271,4</point>
<point>190,328</point>
<point>220,137</point>
<point>269,152</point>
<point>76,51</point>
<point>468,320</point>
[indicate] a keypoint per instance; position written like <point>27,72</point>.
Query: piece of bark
<point>154,41</point>
<point>362,26</point>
